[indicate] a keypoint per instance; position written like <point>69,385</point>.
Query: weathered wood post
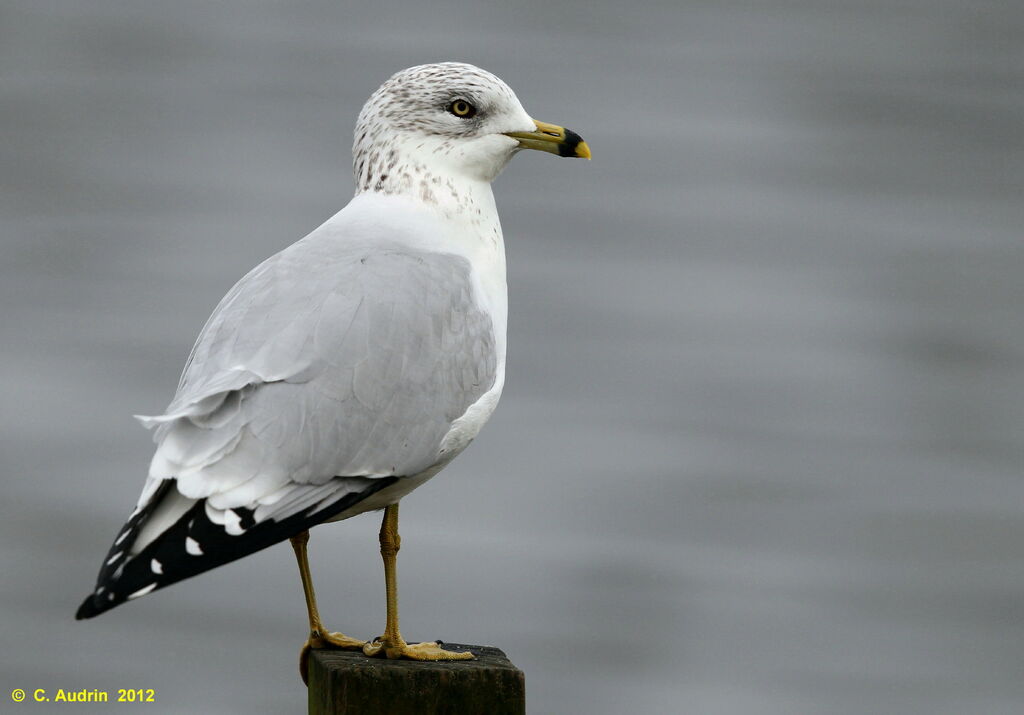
<point>346,682</point>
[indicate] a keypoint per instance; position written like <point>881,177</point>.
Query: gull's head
<point>433,123</point>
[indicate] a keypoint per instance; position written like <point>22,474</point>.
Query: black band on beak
<point>567,147</point>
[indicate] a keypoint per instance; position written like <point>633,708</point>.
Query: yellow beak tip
<point>582,150</point>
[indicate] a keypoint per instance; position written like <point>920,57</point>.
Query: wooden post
<point>347,682</point>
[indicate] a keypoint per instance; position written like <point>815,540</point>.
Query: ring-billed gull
<point>351,367</point>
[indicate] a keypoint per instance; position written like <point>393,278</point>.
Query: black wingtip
<point>88,609</point>
<point>96,604</point>
<point>124,578</point>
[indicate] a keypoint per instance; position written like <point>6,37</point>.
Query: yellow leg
<point>319,637</point>
<point>391,644</point>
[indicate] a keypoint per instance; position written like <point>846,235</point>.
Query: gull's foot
<point>412,651</point>
<point>333,639</point>
<point>325,640</point>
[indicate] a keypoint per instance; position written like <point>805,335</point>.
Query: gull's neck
<point>418,173</point>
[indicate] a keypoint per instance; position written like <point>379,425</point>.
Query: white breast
<point>473,235</point>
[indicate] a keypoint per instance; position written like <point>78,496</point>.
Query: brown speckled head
<point>435,125</point>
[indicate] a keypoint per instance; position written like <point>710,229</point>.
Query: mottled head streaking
<point>431,123</point>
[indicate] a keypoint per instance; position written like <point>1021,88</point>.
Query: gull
<point>348,369</point>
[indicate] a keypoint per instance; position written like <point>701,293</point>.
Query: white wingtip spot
<point>233,523</point>
<point>142,591</point>
<point>122,537</point>
<point>114,558</point>
<point>192,547</point>
<point>156,567</point>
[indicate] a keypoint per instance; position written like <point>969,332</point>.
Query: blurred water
<point>760,445</point>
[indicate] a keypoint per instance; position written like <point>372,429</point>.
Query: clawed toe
<point>322,640</point>
<point>412,651</point>
<point>334,639</point>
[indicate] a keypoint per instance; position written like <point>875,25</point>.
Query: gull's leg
<point>391,644</point>
<point>319,637</point>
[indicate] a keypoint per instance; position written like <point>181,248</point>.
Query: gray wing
<point>327,360</point>
<point>328,373</point>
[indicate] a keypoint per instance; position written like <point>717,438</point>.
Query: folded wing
<point>330,371</point>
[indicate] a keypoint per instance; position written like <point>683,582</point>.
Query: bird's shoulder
<point>300,302</point>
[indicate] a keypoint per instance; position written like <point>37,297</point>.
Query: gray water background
<point>760,448</point>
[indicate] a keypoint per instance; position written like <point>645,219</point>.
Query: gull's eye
<point>462,109</point>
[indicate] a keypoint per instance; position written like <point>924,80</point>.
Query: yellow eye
<point>461,108</point>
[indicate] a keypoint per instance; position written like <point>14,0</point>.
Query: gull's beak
<point>553,139</point>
